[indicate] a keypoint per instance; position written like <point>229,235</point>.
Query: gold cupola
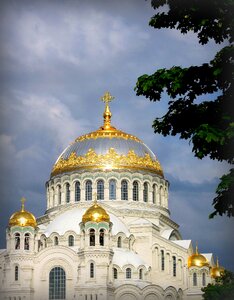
<point>107,149</point>
<point>197,260</point>
<point>95,213</point>
<point>217,270</point>
<point>23,217</point>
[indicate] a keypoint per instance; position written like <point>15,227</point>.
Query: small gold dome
<point>22,218</point>
<point>95,213</point>
<point>216,271</point>
<point>197,260</point>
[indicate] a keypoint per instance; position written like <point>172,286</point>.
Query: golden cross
<point>107,97</point>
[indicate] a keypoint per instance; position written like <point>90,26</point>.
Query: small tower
<point>198,267</point>
<point>95,269</point>
<point>20,247</point>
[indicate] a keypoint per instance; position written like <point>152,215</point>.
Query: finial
<point>22,203</point>
<point>95,198</point>
<point>196,248</point>
<point>217,262</point>
<point>107,98</point>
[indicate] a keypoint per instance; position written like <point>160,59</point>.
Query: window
<point>16,273</point>
<point>77,191</point>
<point>100,190</point>
<point>204,279</point>
<point>154,194</point>
<point>67,192</point>
<point>92,237</point>
<point>17,241</point>
<point>194,279</point>
<point>26,241</point>
<point>135,191</point>
<point>57,283</point>
<point>71,240</point>
<point>140,274</point>
<point>56,242</point>
<point>119,242</point>
<point>91,270</point>
<point>145,192</point>
<point>101,237</point>
<point>88,190</point>
<point>124,190</point>
<point>115,273</point>
<point>112,189</point>
<point>174,265</point>
<point>162,260</point>
<point>128,273</point>
<point>59,195</point>
<point>160,195</point>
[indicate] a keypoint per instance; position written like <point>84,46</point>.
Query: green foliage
<point>209,125</point>
<point>223,289</point>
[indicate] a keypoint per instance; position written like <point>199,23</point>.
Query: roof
<point>123,257</point>
<point>70,220</point>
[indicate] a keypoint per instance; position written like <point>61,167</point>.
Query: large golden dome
<point>216,271</point>
<point>197,260</point>
<point>107,149</point>
<point>95,213</point>
<point>23,218</point>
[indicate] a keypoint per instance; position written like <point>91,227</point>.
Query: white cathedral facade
<point>106,233</point>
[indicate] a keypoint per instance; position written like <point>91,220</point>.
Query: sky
<point>57,58</point>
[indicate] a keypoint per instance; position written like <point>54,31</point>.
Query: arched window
<point>16,273</point>
<point>112,189</point>
<point>26,241</point>
<point>71,240</point>
<point>52,190</point>
<point>145,192</point>
<point>57,283</point>
<point>194,279</point>
<point>77,191</point>
<point>17,241</point>
<point>124,190</point>
<point>128,273</point>
<point>88,190</point>
<point>100,189</point>
<point>67,192</point>
<point>141,274</point>
<point>115,273</point>
<point>135,191</point>
<point>56,242</point>
<point>92,237</point>
<point>174,265</point>
<point>59,194</point>
<point>91,270</point>
<point>162,260</point>
<point>119,242</point>
<point>161,195</point>
<point>101,237</point>
<point>154,193</point>
<point>204,279</point>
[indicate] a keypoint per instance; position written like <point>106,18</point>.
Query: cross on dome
<point>107,98</point>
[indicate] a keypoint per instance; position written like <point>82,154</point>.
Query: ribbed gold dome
<point>107,149</point>
<point>95,213</point>
<point>216,271</point>
<point>197,260</point>
<point>22,218</point>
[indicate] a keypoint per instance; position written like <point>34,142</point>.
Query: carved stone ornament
<point>109,161</point>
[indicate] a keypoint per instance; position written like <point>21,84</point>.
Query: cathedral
<point>106,233</point>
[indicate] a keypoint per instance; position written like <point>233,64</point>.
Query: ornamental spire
<point>22,203</point>
<point>107,98</point>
